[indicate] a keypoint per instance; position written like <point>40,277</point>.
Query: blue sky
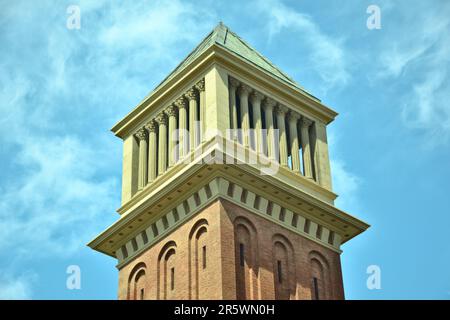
<point>61,91</point>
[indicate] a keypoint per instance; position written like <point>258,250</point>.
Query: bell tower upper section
<point>226,121</point>
<point>225,84</point>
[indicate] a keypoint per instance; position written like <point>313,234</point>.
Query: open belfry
<point>226,185</point>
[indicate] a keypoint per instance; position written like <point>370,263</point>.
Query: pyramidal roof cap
<point>224,37</point>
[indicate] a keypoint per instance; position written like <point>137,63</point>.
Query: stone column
<point>293,135</point>
<point>162,143</point>
<point>307,164</point>
<point>171,112</point>
<point>191,95</point>
<point>152,152</point>
<point>256,98</point>
<point>281,118</point>
<point>234,84</point>
<point>182,126</point>
<point>200,86</point>
<point>268,106</point>
<point>244,92</point>
<point>141,135</point>
<point>319,152</point>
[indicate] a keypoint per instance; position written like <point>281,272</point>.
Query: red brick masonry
<point>227,252</point>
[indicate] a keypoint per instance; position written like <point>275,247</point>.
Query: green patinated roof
<point>224,37</point>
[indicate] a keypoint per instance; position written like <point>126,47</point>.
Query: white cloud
<point>394,61</point>
<point>346,185</point>
<point>420,58</point>
<point>165,24</point>
<point>16,288</point>
<point>428,107</point>
<point>57,205</point>
<point>55,201</point>
<point>326,54</point>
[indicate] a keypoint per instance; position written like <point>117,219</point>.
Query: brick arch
<point>320,270</point>
<point>166,261</point>
<point>284,273</point>
<point>197,274</point>
<point>246,222</point>
<point>197,226</point>
<point>136,281</point>
<point>282,238</point>
<point>246,259</point>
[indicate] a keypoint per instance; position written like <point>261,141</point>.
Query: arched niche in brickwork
<point>320,276</point>
<point>166,280</point>
<point>137,282</point>
<point>246,259</point>
<point>284,273</point>
<point>198,259</point>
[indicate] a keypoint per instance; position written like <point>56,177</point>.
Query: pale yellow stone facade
<point>282,127</point>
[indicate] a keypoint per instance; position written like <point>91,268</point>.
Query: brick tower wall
<point>227,252</point>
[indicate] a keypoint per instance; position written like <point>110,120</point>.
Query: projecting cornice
<point>284,189</point>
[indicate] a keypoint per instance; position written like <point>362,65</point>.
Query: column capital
<point>305,122</point>
<point>281,110</point>
<point>200,86</point>
<point>269,103</point>
<point>171,111</point>
<point>180,103</point>
<point>293,116</point>
<point>234,83</point>
<point>151,126</point>
<point>141,134</point>
<point>256,97</point>
<point>161,118</point>
<point>191,94</point>
<point>244,90</point>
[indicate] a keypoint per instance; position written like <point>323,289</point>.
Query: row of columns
<point>156,154</point>
<point>157,143</point>
<point>245,94</point>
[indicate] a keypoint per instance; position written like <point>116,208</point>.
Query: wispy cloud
<point>16,288</point>
<point>421,60</point>
<point>56,197</point>
<point>346,184</point>
<point>326,54</point>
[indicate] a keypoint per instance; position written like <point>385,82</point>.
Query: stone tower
<point>226,185</point>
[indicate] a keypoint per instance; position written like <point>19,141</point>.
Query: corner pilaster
<point>217,114</point>
<point>130,163</point>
